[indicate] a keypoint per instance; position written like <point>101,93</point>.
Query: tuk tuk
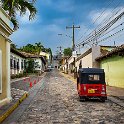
<point>91,84</point>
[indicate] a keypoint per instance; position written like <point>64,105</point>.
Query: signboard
<point>74,54</point>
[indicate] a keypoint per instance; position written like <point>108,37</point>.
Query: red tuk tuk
<point>91,84</point>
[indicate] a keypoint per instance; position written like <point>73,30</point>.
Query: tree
<point>39,47</point>
<point>21,6</point>
<point>13,46</point>
<point>35,49</point>
<point>29,48</point>
<point>67,52</point>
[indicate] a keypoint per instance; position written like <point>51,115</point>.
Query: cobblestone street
<point>56,102</point>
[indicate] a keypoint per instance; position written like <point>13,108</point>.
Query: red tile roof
<point>118,50</point>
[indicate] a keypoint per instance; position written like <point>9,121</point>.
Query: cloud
<point>97,17</point>
<point>53,17</point>
<point>118,38</point>
<point>24,19</point>
<point>47,35</point>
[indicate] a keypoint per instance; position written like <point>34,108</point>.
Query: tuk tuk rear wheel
<point>102,99</point>
<point>81,99</point>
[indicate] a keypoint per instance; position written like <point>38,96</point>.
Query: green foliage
<point>29,48</point>
<point>67,52</point>
<point>13,46</point>
<point>35,49</point>
<point>12,6</point>
<point>18,75</point>
<point>30,66</point>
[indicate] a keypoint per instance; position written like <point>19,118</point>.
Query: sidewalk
<point>115,92</point>
<point>19,91</point>
<point>18,79</point>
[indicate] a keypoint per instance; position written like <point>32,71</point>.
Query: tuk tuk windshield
<point>92,79</point>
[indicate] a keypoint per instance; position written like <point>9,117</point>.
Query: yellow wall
<point>114,70</point>
<point>4,68</point>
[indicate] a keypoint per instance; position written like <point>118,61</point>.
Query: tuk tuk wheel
<point>102,99</point>
<point>81,99</point>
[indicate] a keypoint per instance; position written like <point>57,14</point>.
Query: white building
<point>19,59</point>
<point>87,59</point>
<point>40,61</point>
<point>17,62</point>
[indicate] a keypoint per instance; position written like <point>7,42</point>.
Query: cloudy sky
<point>54,15</point>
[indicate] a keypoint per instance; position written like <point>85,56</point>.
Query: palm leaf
<point>19,5</point>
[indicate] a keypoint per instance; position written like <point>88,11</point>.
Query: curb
<point>116,101</point>
<point>13,107</point>
<point>12,81</point>
<point>68,77</point>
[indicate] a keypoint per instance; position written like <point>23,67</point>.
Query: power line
<point>112,29</point>
<point>104,21</point>
<point>112,35</point>
<point>102,13</point>
<point>102,30</point>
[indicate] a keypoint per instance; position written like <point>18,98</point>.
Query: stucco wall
<point>4,68</point>
<point>15,71</point>
<point>95,53</point>
<point>87,61</point>
<point>114,70</point>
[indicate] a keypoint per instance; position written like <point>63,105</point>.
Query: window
<point>18,64</point>
<point>22,64</point>
<point>11,62</point>
<point>94,77</point>
<point>0,71</point>
<point>15,64</point>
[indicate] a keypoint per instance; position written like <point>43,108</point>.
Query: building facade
<point>113,65</point>
<point>39,60</point>
<point>5,32</point>
<point>88,58</point>
<point>17,62</point>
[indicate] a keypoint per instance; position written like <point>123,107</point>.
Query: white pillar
<point>8,70</point>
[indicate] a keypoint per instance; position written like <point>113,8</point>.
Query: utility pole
<point>73,27</point>
<point>60,49</point>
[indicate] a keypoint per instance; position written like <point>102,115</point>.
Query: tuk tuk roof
<point>91,70</point>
